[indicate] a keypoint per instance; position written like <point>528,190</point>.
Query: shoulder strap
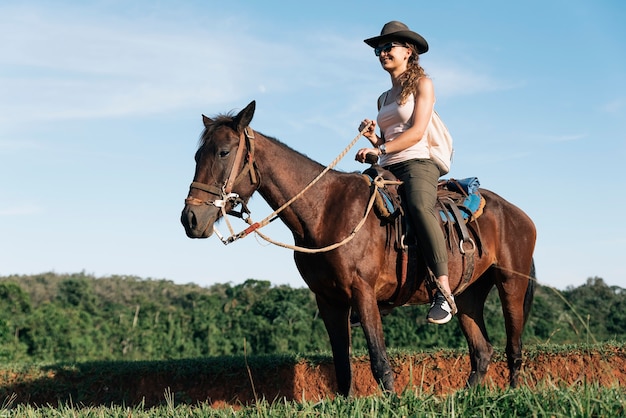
<point>382,99</point>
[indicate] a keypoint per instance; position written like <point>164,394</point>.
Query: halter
<point>246,141</point>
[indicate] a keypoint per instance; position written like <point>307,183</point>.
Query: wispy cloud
<point>495,157</point>
<point>20,210</point>
<point>563,137</point>
<point>111,68</point>
<point>456,81</point>
<point>72,66</point>
<point>7,145</point>
<point>615,106</point>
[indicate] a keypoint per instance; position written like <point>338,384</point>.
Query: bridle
<point>225,191</point>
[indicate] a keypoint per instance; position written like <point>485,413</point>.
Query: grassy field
<point>580,401</point>
<point>102,389</point>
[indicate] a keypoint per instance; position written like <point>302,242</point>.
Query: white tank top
<point>393,119</point>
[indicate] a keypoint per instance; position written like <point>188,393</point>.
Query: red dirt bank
<point>438,373</point>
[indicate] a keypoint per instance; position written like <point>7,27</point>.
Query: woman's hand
<point>367,155</point>
<point>370,132</point>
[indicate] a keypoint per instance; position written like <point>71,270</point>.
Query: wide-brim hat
<point>394,31</point>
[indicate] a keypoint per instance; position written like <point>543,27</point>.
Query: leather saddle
<point>459,204</point>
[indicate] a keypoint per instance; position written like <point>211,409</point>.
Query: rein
<point>226,195</point>
<point>378,182</point>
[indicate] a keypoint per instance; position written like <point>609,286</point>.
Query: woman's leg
<point>420,179</point>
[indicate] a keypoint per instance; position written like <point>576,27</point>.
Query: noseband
<point>225,194</point>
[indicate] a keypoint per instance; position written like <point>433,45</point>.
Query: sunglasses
<point>386,48</point>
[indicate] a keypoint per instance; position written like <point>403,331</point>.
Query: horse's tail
<point>530,291</point>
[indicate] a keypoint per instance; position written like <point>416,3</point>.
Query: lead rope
<point>378,182</point>
<point>257,225</point>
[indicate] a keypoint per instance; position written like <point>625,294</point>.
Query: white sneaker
<point>440,311</point>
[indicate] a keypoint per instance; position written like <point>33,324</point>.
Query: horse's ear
<point>207,121</point>
<point>243,118</point>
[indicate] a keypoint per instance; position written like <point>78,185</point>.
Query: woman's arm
<point>422,112</point>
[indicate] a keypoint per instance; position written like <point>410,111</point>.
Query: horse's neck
<point>285,173</point>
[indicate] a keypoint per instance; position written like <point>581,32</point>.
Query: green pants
<point>419,195</point>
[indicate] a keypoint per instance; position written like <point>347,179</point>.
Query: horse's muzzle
<point>198,220</point>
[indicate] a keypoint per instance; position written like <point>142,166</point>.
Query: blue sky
<point>101,103</point>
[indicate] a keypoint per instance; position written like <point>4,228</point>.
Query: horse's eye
<point>223,154</point>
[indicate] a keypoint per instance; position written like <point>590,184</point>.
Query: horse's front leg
<point>336,320</point>
<point>364,300</point>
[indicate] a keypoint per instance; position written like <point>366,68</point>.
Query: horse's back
<point>510,217</point>
<point>506,231</point>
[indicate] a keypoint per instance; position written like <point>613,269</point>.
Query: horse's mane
<point>227,119</point>
<point>218,121</point>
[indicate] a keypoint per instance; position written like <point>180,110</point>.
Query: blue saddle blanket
<point>469,185</point>
<point>472,203</point>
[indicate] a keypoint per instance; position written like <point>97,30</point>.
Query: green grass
<point>584,399</point>
<point>573,402</point>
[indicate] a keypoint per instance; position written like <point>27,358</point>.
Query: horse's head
<point>225,174</point>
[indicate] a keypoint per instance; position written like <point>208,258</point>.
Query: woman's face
<point>393,55</point>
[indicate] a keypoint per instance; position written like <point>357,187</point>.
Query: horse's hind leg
<point>471,304</point>
<point>335,317</point>
<point>516,293</point>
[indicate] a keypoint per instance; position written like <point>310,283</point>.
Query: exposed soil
<point>438,373</point>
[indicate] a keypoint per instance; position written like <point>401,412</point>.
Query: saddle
<point>387,203</point>
<point>459,204</point>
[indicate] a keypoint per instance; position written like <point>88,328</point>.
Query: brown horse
<point>363,272</point>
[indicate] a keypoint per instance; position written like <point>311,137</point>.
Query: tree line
<point>76,317</point>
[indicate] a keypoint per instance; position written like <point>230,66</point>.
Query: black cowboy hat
<point>393,31</point>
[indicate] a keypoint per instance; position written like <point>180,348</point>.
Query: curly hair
<point>409,79</point>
